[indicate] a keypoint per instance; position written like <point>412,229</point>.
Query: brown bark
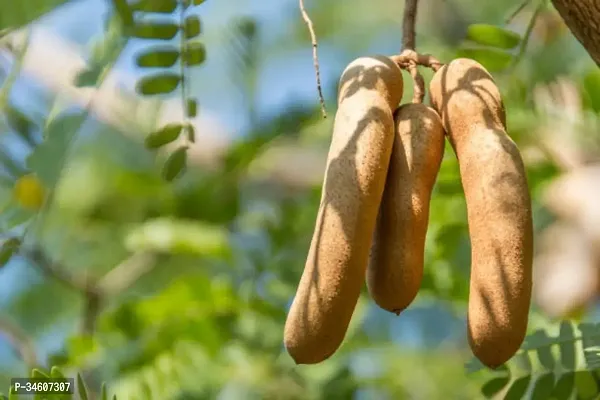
<point>583,19</point>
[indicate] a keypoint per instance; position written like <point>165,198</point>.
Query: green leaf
<point>592,357</point>
<point>191,133</point>
<point>38,373</point>
<point>591,86</point>
<point>564,387</point>
<point>156,6</point>
<point>8,249</point>
<point>198,2</point>
<point>157,58</point>
<point>493,386</point>
<point>155,30</point>
<point>192,27</point>
<point>535,340</point>
<point>518,388</point>
<point>546,358</point>
<point>13,217</point>
<point>48,158</point>
<point>81,388</point>
<point>590,338</point>
<point>17,14</point>
<point>247,27</point>
<point>492,35</point>
<point>492,59</point>
<point>163,136</point>
<point>175,164</point>
<point>88,77</point>
<point>103,392</point>
<point>523,361</point>
<point>178,236</point>
<point>81,347</point>
<point>195,54</point>
<point>55,372</point>
<point>567,345</point>
<point>543,387</point>
<point>541,343</point>
<point>11,394</point>
<point>18,121</point>
<point>105,50</point>
<point>585,385</point>
<point>124,12</point>
<point>158,84</point>
<point>191,109</point>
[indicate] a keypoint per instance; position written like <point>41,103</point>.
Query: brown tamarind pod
<point>370,88</point>
<point>395,270</point>
<point>498,208</point>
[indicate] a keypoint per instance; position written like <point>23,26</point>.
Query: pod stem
<point>409,59</point>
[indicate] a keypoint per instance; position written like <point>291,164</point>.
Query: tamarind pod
<point>370,88</point>
<point>498,208</point>
<point>395,270</point>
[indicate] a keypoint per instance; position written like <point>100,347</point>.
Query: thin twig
<point>126,273</point>
<point>83,285</point>
<point>528,33</point>
<point>517,11</point>
<point>15,70</point>
<point>408,25</point>
<point>91,309</point>
<point>313,39</point>
<point>52,269</point>
<point>20,341</point>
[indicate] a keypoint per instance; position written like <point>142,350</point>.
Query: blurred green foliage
<point>179,290</point>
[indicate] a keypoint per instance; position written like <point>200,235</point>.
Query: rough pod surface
<point>498,208</point>
<point>395,270</point>
<point>370,88</point>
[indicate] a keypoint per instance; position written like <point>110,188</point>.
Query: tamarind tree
<point>148,255</point>
<point>581,16</point>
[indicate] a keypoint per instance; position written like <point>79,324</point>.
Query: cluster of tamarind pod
<point>373,217</point>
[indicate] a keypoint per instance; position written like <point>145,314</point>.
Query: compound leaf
<point>163,83</point>
<point>492,35</point>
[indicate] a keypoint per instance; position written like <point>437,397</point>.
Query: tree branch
<point>409,21</point>
<point>95,291</point>
<point>53,270</point>
<point>20,341</point>
<point>582,16</point>
<point>516,11</point>
<point>84,285</point>
<point>126,273</point>
<point>91,310</point>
